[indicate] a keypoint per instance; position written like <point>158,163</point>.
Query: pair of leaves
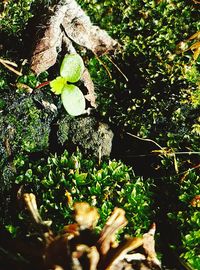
<point>71,70</point>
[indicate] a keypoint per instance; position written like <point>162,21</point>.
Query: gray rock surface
<point>92,137</point>
<point>25,126</point>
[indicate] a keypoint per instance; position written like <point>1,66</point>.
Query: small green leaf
<point>11,229</point>
<point>72,68</point>
<point>81,178</point>
<point>57,85</point>
<point>73,100</point>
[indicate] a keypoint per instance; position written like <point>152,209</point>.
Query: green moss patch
<point>60,181</point>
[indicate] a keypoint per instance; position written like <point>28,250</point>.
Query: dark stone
<point>25,125</point>
<point>92,137</point>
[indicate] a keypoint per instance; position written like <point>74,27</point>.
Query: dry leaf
<point>196,50</point>
<point>45,53</point>
<point>195,202</point>
<point>149,246</point>
<point>115,222</point>
<point>30,201</point>
<point>90,87</point>
<point>85,215</point>
<point>90,252</point>
<point>68,24</point>
<point>196,35</point>
<point>77,248</point>
<point>70,20</point>
<point>121,251</point>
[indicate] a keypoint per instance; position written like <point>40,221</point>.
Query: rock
<point>92,137</point>
<point>25,125</point>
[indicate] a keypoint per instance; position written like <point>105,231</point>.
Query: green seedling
<point>71,71</point>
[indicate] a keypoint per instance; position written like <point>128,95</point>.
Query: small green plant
<point>70,71</point>
<point>187,219</point>
<point>60,181</point>
<point>15,16</point>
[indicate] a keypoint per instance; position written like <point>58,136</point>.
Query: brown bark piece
<point>67,24</point>
<point>45,53</point>
<point>70,20</point>
<point>80,29</point>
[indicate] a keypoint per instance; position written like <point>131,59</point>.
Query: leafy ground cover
<point>62,180</point>
<point>160,100</point>
<point>187,217</point>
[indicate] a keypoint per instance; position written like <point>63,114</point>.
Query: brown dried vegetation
<point>78,247</point>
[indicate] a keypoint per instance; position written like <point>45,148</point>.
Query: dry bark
<point>66,25</point>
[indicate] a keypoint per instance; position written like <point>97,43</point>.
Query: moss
<point>59,181</point>
<point>25,126</point>
<point>15,16</point>
<point>186,218</point>
<point>160,100</point>
<point>149,32</point>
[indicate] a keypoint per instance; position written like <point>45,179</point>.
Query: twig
<point>168,154</point>
<point>8,65</point>
<point>146,140</point>
<point>8,62</point>
<point>185,173</point>
<point>165,152</point>
<point>184,153</point>
<point>110,59</point>
<point>106,68</point>
<point>42,84</point>
<point>196,2</point>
